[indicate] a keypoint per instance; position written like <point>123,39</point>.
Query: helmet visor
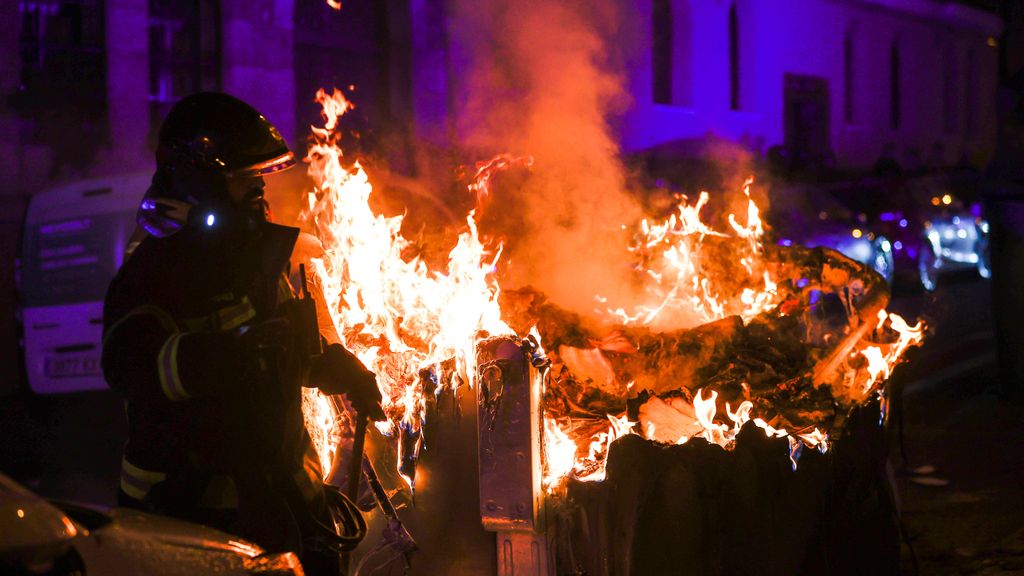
<point>277,164</point>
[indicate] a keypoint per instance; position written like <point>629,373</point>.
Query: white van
<point>73,242</point>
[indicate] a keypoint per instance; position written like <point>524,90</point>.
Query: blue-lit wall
<point>808,37</point>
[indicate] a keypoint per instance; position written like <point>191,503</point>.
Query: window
<point>971,118</point>
<point>662,51</point>
<point>184,52</point>
<point>950,91</point>
<point>849,110</point>
<point>734,59</point>
<point>894,86</point>
<point>356,52</point>
<point>62,90</point>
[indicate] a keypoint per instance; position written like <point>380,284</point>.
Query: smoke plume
<point>540,78</point>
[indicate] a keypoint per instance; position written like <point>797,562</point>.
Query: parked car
<point>811,215</point>
<point>73,242</point>
<point>933,222</point>
<point>42,537</point>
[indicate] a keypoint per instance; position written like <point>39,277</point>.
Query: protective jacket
<point>215,426</point>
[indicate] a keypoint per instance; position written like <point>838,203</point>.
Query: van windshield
<point>72,261</point>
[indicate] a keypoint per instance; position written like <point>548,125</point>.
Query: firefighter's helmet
<point>205,138</point>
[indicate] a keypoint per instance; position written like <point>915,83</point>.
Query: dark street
<point>960,488</point>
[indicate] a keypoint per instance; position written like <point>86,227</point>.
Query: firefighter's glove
<point>338,371</point>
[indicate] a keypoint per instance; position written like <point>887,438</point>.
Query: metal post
<point>509,443</point>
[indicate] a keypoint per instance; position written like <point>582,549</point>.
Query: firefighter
<point>197,340</point>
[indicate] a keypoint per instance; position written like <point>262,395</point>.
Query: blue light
<point>903,223</point>
<point>786,242</point>
<point>897,245</point>
<point>802,283</point>
<point>210,219</point>
<point>887,216</point>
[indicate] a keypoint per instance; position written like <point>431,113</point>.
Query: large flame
<point>398,316</point>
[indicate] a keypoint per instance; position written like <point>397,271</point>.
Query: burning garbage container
<point>732,421</point>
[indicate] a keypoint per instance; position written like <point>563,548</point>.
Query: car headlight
<point>860,250</point>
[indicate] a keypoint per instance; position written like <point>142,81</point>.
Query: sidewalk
<point>962,490</point>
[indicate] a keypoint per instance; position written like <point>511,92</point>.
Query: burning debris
<point>786,338</point>
<point>726,337</point>
<point>794,370</point>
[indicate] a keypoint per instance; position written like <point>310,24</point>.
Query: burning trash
<point>729,338</point>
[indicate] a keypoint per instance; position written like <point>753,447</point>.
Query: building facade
<point>913,80</point>
<point>87,81</point>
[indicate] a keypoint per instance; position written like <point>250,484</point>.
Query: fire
<point>700,417</point>
<point>398,316</point>
<point>883,357</point>
<point>705,411</point>
<point>681,279</point>
<point>321,422</point>
<point>417,328</point>
<point>559,454</point>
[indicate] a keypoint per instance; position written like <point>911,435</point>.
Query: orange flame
<point>883,358</point>
<point>559,455</point>
<point>321,422</point>
<point>398,316</point>
<point>678,281</point>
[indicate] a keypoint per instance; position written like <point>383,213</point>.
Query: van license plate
<point>72,366</point>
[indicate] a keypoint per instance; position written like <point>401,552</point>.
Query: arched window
<point>849,79</point>
<point>734,60</point>
<point>661,52</point>
<point>184,52</point>
<point>671,59</point>
<point>895,107</point>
